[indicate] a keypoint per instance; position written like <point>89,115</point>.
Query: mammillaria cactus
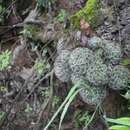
<point>112,53</point>
<point>119,78</point>
<point>93,95</point>
<point>76,77</point>
<point>61,66</point>
<point>97,74</point>
<point>80,59</point>
<point>95,42</point>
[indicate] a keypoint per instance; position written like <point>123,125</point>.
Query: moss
<point>90,13</point>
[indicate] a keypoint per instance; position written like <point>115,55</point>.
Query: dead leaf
<point>84,25</point>
<point>86,28</point>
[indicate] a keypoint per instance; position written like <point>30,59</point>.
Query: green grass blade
<point>119,127</point>
<point>67,106</point>
<point>72,90</point>
<point>121,121</point>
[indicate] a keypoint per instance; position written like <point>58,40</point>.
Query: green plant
<point>126,61</point>
<point>64,106</point>
<point>127,96</point>
<point>5,58</point>
<point>30,31</point>
<point>2,9</point>
<point>81,118</point>
<point>44,93</point>
<point>26,33</point>
<point>122,123</point>
<point>3,89</point>
<point>40,66</point>
<point>2,114</point>
<point>28,109</point>
<point>61,16</point>
<point>90,13</point>
<point>55,101</point>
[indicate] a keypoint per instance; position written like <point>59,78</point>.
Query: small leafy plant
<point>55,101</point>
<point>2,117</point>
<point>61,16</point>
<point>122,123</point>
<point>26,33</point>
<point>44,93</point>
<point>81,118</point>
<point>28,109</point>
<point>5,58</point>
<point>39,66</point>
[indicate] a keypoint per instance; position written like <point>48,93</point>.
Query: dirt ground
<point>28,99</point>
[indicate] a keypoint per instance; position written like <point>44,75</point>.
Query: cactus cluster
<point>80,59</point>
<point>98,65</point>
<point>93,95</point>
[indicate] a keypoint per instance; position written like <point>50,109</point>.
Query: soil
<point>24,99</point>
